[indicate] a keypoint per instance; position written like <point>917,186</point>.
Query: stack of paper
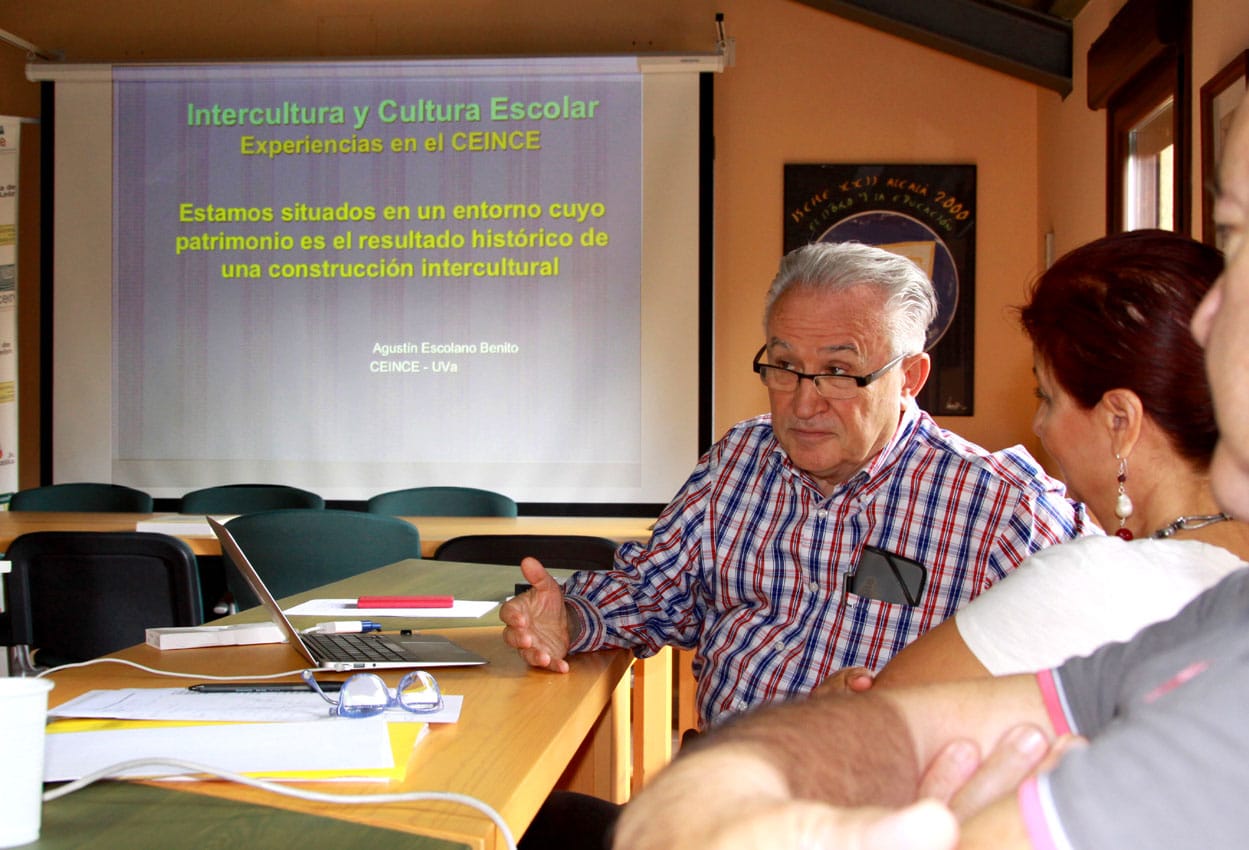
<point>259,734</point>
<point>181,525</point>
<point>368,748</point>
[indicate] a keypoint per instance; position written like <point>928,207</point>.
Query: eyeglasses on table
<point>367,695</point>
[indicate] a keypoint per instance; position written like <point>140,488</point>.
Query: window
<point>1139,72</point>
<point>1149,185</point>
<point>1146,170</point>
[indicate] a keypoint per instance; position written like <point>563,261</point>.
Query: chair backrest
<point>238,499</point>
<point>248,498</point>
<point>442,501</point>
<point>82,496</point>
<point>74,595</point>
<point>294,550</point>
<point>555,551</point>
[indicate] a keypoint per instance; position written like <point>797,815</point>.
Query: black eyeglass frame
<point>860,381</point>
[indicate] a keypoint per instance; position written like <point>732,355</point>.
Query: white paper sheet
<point>345,609</point>
<point>256,748</point>
<point>181,704</point>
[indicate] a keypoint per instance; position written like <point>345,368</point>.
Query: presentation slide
<point>361,276</point>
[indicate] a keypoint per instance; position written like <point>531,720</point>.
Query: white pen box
<point>191,637</point>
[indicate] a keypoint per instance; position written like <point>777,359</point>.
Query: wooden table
<point>434,530</point>
<point>522,732</point>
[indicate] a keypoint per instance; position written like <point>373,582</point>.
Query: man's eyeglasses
<point>366,695</point>
<point>834,385</point>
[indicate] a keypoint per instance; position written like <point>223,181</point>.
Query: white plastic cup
<point>23,713</point>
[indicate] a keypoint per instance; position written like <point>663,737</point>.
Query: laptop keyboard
<point>352,647</point>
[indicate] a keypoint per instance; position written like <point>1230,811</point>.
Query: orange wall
<point>806,86</point>
<point>812,87</point>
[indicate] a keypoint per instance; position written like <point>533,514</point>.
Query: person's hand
<point>536,622</point>
<point>967,782</point>
<point>847,680</point>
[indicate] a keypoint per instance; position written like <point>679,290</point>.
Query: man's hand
<point>536,622</point>
<point>847,680</point>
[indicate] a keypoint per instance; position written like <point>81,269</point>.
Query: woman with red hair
<point>1124,410</point>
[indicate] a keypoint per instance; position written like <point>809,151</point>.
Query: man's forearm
<point>844,749</point>
<point>767,758</point>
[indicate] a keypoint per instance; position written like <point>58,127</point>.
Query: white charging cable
<point>174,673</point>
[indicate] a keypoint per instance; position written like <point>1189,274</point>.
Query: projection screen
<point>360,276</point>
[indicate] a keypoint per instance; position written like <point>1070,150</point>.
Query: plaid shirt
<point>748,564</point>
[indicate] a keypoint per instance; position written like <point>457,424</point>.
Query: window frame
<point>1131,104</point>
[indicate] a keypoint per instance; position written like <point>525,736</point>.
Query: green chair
<point>442,501</point>
<point>82,496</point>
<point>238,499</point>
<point>296,549</point>
<point>248,498</point>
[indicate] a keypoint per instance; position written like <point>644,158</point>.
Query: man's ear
<point>915,369</point>
<point>1122,413</point>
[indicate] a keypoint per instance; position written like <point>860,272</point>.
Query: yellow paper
<point>403,738</point>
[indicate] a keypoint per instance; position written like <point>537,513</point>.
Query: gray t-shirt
<point>1167,717</point>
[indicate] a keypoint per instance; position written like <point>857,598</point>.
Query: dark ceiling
<point>1029,39</point>
<point>1062,8</point>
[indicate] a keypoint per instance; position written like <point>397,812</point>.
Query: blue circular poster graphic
<point>908,237</point>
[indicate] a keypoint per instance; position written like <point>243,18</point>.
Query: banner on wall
<point>926,213</point>
<point>10,133</point>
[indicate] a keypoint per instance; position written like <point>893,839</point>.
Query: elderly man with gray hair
<point>828,533</point>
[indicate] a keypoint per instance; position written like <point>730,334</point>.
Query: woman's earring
<point>1123,502</point>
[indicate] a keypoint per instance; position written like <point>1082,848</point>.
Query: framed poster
<point>926,213</point>
<point>1219,97</point>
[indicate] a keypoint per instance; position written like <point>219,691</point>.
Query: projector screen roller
<point>354,277</point>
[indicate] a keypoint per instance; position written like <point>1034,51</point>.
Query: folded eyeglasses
<point>367,695</point>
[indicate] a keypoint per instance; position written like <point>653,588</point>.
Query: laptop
<point>340,652</point>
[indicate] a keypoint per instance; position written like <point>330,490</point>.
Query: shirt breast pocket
<point>887,577</point>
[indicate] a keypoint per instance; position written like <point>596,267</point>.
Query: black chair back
<point>75,595</point>
<point>555,551</point>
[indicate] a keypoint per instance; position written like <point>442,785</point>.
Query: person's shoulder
<point>745,442</point>
<point>1139,557</point>
<point>1095,547</point>
<point>756,429</point>
<point>1014,466</point>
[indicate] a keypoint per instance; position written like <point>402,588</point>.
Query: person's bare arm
<point>925,825</point>
<point>862,749</point>
<point>938,655</point>
<point>1000,826</point>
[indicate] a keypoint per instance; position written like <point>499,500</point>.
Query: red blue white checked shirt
<point>748,563</point>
